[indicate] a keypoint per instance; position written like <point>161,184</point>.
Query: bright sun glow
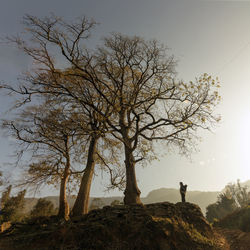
<point>244,146</point>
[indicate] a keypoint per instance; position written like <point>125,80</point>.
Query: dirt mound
<point>154,226</point>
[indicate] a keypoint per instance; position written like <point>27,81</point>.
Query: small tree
<point>224,206</point>
<point>13,208</point>
<point>48,133</point>
<point>43,207</point>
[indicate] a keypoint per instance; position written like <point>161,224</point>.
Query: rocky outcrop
<point>153,226</point>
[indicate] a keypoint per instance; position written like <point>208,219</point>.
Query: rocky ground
<point>154,226</point>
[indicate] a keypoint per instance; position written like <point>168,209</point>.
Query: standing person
<point>183,190</point>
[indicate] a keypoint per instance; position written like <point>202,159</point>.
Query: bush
<point>13,208</point>
<point>225,205</point>
<point>237,220</point>
<point>43,207</point>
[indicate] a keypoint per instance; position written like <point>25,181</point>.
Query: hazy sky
<point>205,36</point>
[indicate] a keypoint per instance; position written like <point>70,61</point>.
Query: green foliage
<point>224,206</point>
<point>227,203</point>
<point>212,212</point>
<point>13,208</point>
<point>43,207</point>
<point>239,219</point>
<point>235,196</point>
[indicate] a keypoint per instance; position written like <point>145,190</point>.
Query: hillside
<point>153,226</point>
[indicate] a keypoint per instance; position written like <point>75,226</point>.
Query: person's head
<point>181,184</point>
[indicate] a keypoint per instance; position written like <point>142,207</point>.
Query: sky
<point>205,36</point>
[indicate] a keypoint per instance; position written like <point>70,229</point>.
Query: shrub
<point>43,207</point>
<point>13,208</point>
<point>237,220</point>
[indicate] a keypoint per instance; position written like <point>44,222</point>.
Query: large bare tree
<point>148,103</point>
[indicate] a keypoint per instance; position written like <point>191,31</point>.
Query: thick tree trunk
<point>132,192</point>
<point>82,200</point>
<point>63,203</point>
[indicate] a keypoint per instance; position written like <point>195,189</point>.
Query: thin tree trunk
<point>82,200</point>
<point>63,203</point>
<point>132,192</point>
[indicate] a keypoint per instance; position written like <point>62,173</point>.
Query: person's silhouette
<point>183,190</point>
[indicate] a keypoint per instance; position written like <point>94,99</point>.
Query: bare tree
<point>148,104</point>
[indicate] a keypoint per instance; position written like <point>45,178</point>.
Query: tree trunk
<point>63,203</point>
<point>132,192</point>
<point>82,200</point>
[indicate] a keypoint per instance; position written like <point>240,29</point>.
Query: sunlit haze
<point>205,36</point>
